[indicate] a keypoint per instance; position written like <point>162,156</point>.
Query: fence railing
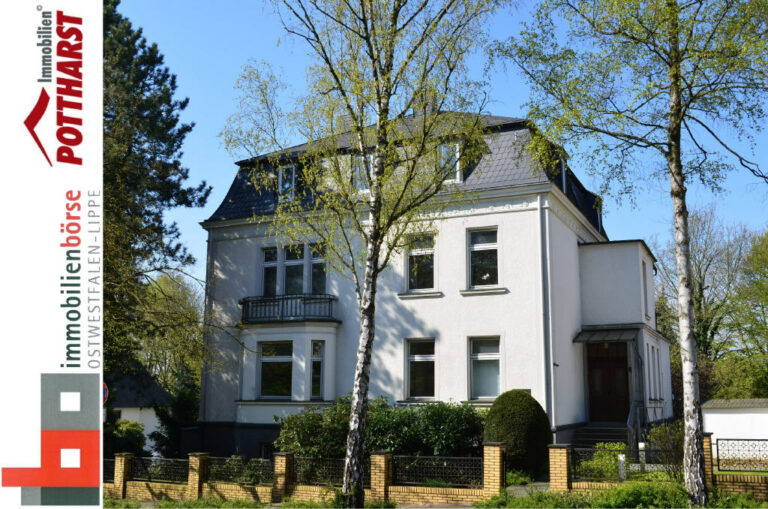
<point>108,470</point>
<point>160,469</point>
<point>617,464</point>
<point>742,455</point>
<point>241,471</point>
<point>437,471</point>
<point>288,308</point>
<point>325,471</point>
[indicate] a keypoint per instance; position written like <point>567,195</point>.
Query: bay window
<point>275,369</point>
<point>318,359</point>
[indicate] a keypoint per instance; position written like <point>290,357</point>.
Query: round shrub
<point>518,420</point>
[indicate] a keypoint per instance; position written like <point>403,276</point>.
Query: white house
<point>518,289</point>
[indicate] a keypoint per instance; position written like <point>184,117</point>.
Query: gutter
<point>549,375</point>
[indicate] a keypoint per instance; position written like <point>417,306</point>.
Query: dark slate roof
<point>139,389</point>
<point>729,404</point>
<point>505,165</point>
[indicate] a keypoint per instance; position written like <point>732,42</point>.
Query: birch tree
<point>621,81</point>
<point>388,116</point>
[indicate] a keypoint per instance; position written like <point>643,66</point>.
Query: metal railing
<point>160,469</point>
<point>287,308</point>
<point>437,471</point>
<point>742,455</point>
<point>325,471</point>
<point>237,469</point>
<point>108,470</point>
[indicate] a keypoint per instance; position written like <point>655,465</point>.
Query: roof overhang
<point>626,335</point>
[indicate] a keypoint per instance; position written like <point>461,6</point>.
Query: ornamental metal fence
<point>237,469</point>
<point>325,471</point>
<point>742,455</point>
<point>108,470</point>
<point>437,471</point>
<point>615,462</point>
<point>160,469</point>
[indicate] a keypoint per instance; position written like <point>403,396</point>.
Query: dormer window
<point>448,162</point>
<point>286,182</point>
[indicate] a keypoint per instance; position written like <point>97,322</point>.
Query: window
<point>421,369</point>
<point>318,270</point>
<point>318,356</point>
<point>645,289</point>
<point>484,367</point>
<point>648,370</point>
<point>360,172</point>
<point>270,272</point>
<point>658,376</point>
<point>483,258</point>
<point>286,181</point>
<point>275,366</point>
<point>448,161</point>
<point>294,270</point>
<point>421,263</point>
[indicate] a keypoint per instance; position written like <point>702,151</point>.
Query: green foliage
<point>122,435</point>
<point>641,494</point>
<point>536,499</point>
<point>719,498</point>
<point>212,502</point>
<point>432,429</point>
<point>143,178</point>
<point>518,478</point>
<point>665,442</point>
<point>183,411</point>
<point>111,503</point>
<point>251,472</point>
<point>518,420</point>
<point>333,498</point>
<point>604,464</point>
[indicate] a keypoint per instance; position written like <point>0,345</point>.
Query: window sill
<point>287,402</point>
<point>415,401</point>
<point>496,290</point>
<point>420,295</point>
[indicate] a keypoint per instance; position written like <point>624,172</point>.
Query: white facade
<point>144,415</point>
<point>557,277</point>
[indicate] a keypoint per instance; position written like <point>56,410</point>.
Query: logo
<point>69,85</point>
<point>69,444</point>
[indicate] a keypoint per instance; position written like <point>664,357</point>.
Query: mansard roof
<point>505,165</point>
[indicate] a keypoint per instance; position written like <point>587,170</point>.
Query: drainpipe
<point>549,375</point>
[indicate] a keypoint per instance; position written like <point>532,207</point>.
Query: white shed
<point>745,419</point>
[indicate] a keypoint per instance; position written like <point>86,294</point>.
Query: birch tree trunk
<point>354,461</point>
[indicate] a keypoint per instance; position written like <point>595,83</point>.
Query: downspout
<point>549,375</point>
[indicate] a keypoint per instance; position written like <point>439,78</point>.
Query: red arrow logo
<point>34,117</point>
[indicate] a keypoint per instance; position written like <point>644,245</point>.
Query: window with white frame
<point>360,172</point>
<point>293,270</point>
<point>658,376</point>
<point>421,369</point>
<point>648,371</point>
<point>318,360</point>
<point>448,161</point>
<point>286,182</point>
<point>317,273</point>
<point>483,258</point>
<point>421,263</point>
<point>484,367</point>
<point>269,287</point>
<point>275,369</point>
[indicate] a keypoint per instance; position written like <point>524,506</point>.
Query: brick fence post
<point>283,466</point>
<point>381,475</point>
<point>123,472</point>
<point>493,468</point>
<point>560,468</point>
<point>198,474</point>
<point>709,475</point>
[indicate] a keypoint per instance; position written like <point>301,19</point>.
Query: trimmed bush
<point>518,420</point>
<point>432,429</point>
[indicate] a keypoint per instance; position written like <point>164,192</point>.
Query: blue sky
<point>206,44</point>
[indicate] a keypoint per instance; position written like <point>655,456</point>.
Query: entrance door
<point>608,382</point>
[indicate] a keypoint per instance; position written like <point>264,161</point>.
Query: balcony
<point>289,308</point>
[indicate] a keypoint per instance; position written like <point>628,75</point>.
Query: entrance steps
<point>588,436</point>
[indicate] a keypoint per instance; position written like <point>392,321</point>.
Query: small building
<point>745,419</point>
<point>134,397</point>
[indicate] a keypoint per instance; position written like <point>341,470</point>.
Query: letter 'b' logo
<point>69,444</point>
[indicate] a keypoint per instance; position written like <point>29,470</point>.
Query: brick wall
<point>198,486</point>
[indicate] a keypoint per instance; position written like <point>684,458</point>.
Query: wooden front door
<point>608,382</point>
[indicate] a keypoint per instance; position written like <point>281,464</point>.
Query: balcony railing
<point>289,308</point>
